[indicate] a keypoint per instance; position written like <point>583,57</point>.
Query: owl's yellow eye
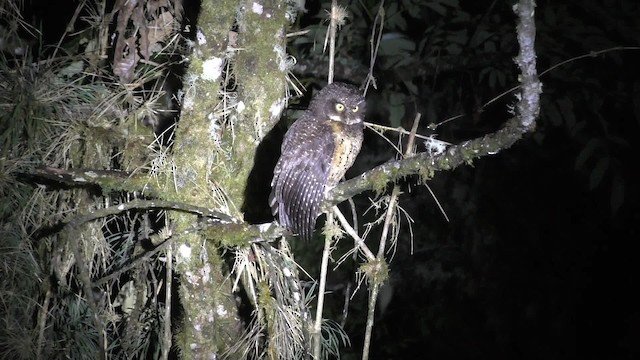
<point>339,107</point>
<point>355,108</point>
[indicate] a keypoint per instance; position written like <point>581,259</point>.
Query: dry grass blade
<point>270,278</point>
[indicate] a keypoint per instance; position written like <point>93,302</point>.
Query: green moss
<point>204,161</point>
<point>261,86</point>
<point>443,163</point>
<point>377,271</point>
<point>379,181</point>
<point>266,302</point>
<point>206,296</point>
<point>425,173</point>
<point>232,235</point>
<point>468,153</point>
<point>215,20</point>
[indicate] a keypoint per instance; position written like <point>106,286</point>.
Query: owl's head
<point>339,102</point>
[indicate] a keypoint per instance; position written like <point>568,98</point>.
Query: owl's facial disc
<point>348,114</point>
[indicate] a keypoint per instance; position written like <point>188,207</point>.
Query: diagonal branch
<point>425,164</point>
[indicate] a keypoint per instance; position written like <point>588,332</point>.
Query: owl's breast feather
<point>347,141</point>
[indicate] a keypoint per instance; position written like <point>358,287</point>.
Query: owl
<point>316,152</point>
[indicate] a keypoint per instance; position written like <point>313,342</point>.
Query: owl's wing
<point>299,180</point>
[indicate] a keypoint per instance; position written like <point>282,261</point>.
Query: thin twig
<point>317,327</point>
<point>345,306</point>
<point>437,202</point>
<point>345,224</point>
<point>354,215</point>
<point>396,190</point>
<point>138,204</point>
<point>398,129</point>
<point>373,295</point>
<point>69,27</point>
<point>579,57</point>
<point>393,199</point>
<point>375,46</point>
<point>42,319</point>
<point>166,346</point>
<point>317,345</point>
<point>297,33</point>
<point>332,39</point>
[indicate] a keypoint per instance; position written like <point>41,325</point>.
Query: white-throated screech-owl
<point>316,152</point>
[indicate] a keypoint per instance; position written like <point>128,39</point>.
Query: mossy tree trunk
<point>215,144</point>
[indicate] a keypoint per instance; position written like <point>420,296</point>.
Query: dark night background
<point>538,260</point>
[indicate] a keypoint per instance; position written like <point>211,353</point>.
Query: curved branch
<point>425,164</point>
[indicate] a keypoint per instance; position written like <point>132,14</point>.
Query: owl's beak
<point>353,119</point>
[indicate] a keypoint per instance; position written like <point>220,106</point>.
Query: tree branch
<point>107,180</point>
<point>426,164</point>
<point>219,217</point>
